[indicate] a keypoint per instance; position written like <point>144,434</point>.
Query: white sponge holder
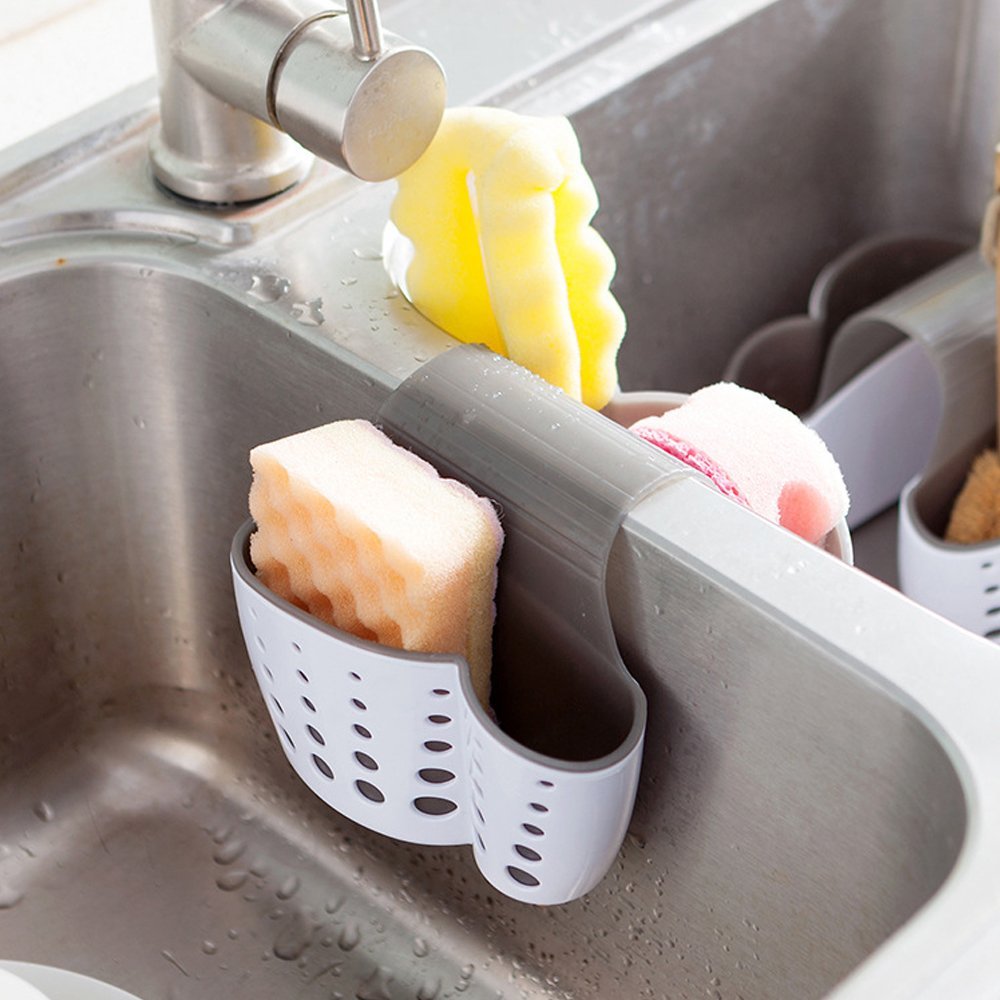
<point>397,741</point>
<point>944,327</point>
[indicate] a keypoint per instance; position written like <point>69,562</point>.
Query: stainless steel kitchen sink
<point>819,811</point>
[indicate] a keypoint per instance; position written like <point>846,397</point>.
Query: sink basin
<point>818,811</point>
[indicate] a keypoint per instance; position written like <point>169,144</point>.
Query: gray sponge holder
<point>546,799</point>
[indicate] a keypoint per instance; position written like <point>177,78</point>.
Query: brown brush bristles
<point>976,514</point>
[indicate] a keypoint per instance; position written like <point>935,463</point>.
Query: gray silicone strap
<point>563,487</point>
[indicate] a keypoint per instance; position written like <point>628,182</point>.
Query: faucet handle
<point>365,100</point>
<point>366,28</point>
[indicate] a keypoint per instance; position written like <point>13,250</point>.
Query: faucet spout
<point>249,89</point>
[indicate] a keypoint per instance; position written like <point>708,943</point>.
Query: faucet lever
<point>366,27</point>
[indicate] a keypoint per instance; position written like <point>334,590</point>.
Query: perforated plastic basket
<point>399,743</point>
<point>959,582</point>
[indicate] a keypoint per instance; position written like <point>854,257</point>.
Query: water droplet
<point>429,989</point>
<point>350,937</point>
<point>293,939</point>
<point>230,881</point>
<point>420,947</point>
<point>43,810</point>
<point>309,313</point>
<point>348,281</point>
<point>376,986</point>
<point>232,934</point>
<point>268,287</point>
<point>466,971</point>
<point>367,254</point>
<point>9,898</point>
<point>145,272</point>
<point>288,888</point>
<point>230,851</point>
<point>173,961</point>
<point>139,422</point>
<point>209,947</point>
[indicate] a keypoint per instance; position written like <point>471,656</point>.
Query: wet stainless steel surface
<point>818,811</point>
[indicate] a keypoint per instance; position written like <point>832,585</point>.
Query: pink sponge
<point>757,453</point>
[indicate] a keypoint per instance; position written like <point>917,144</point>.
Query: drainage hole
<point>308,704</point>
<point>546,784</point>
<point>535,831</point>
<point>437,746</point>
<point>354,676</point>
<point>316,735</point>
<point>431,806</point>
<point>435,775</point>
<point>538,807</point>
<point>527,853</point>
<point>277,705</point>
<point>291,742</point>
<point>267,670</point>
<point>441,692</point>
<point>361,731</point>
<point>296,647</point>
<point>358,704</point>
<point>365,761</point>
<point>518,875</point>
<point>302,677</point>
<point>322,767</point>
<point>369,791</point>
<point>439,720</point>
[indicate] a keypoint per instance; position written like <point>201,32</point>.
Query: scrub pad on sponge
<point>369,538</point>
<point>498,211</point>
<point>757,453</point>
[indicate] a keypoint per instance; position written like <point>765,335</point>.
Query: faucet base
<point>286,164</point>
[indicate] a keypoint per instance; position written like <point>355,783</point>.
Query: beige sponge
<point>368,537</point>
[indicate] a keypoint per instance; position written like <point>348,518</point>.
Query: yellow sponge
<point>368,537</point>
<point>498,211</point>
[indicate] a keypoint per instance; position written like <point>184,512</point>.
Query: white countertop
<point>58,57</point>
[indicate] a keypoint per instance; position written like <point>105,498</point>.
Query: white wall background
<point>60,56</point>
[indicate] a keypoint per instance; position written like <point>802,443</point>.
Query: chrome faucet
<point>246,84</point>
